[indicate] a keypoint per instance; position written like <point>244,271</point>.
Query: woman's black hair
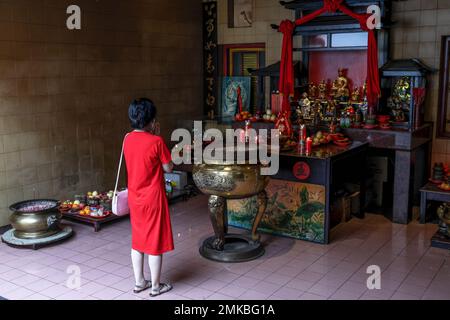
<point>141,112</point>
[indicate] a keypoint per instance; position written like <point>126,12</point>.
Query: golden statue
<point>317,113</point>
<point>330,107</point>
<point>334,88</point>
<point>305,105</point>
<point>312,90</point>
<point>364,91</point>
<point>322,90</point>
<point>355,98</point>
<point>402,90</point>
<point>342,91</point>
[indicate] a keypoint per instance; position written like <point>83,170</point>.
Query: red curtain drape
<point>286,84</point>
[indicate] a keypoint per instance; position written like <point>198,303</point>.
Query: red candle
<point>239,99</point>
<point>308,145</point>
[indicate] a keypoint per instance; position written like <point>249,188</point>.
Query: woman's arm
<point>168,167</point>
<point>166,157</point>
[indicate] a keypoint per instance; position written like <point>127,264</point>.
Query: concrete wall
<point>64,94</point>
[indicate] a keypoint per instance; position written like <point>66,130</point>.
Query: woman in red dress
<point>147,157</point>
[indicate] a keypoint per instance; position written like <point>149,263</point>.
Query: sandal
<point>147,285</point>
<point>163,288</point>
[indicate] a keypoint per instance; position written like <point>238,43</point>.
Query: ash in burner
<point>34,206</point>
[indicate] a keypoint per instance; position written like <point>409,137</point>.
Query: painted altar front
<point>294,209</point>
<point>300,196</point>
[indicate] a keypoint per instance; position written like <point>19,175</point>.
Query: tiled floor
<point>290,269</point>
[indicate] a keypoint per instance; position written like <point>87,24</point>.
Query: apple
<point>95,194</point>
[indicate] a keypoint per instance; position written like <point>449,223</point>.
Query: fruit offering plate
<point>105,214</point>
<point>435,181</point>
<point>321,138</point>
<point>444,187</point>
<point>370,126</point>
<point>64,209</point>
<point>343,143</point>
<point>287,143</point>
<point>287,148</point>
<point>336,136</point>
<point>90,199</point>
<point>94,212</point>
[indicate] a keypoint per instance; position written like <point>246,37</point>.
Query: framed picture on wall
<point>238,60</point>
<point>233,89</point>
<point>240,13</point>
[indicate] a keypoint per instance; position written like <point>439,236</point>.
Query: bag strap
<point>120,165</point>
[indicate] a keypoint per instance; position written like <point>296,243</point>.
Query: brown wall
<point>64,94</point>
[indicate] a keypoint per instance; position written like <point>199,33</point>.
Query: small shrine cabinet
<point>403,86</point>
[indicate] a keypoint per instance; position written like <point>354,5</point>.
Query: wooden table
<point>95,222</point>
<point>431,192</point>
<point>98,222</point>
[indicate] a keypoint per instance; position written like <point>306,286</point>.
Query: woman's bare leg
<point>137,258</point>
<point>155,263</point>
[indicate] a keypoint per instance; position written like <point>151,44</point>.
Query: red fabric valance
<point>286,84</point>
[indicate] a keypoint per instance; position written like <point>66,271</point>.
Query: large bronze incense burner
<point>35,219</point>
<point>222,181</point>
<point>36,223</point>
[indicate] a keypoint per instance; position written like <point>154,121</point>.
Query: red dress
<point>149,210</point>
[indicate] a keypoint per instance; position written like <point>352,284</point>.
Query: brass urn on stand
<point>223,181</point>
<point>36,223</point>
<point>443,213</point>
<point>441,239</point>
